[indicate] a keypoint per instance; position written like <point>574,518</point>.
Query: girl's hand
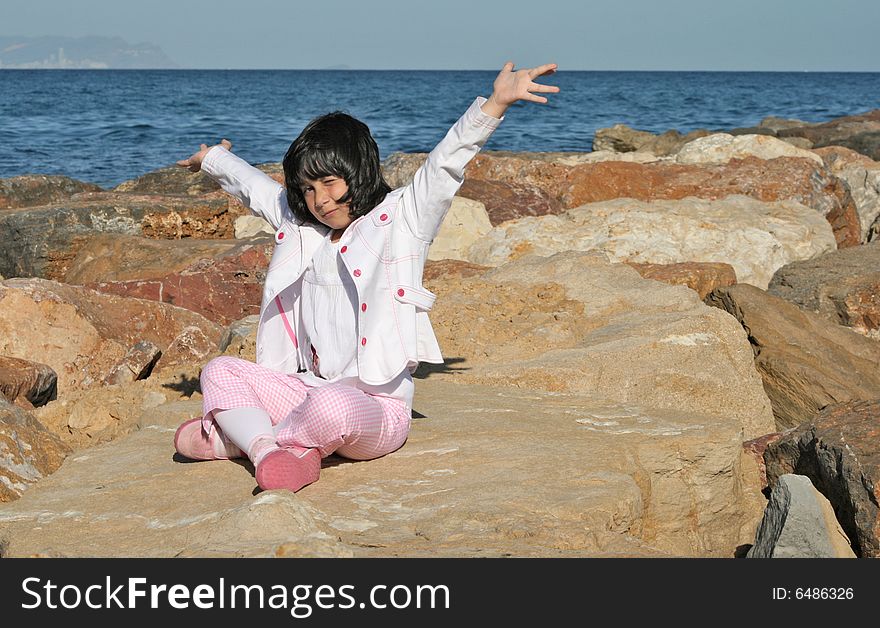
<point>511,86</point>
<point>194,162</point>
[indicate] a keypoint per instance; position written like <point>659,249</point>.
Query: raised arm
<point>425,201</point>
<point>254,188</point>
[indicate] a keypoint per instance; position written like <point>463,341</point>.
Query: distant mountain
<point>80,53</point>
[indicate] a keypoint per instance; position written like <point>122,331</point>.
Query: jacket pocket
<point>419,297</point>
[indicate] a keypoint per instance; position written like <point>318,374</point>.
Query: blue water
<point>109,126</point>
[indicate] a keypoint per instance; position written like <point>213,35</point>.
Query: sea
<point>109,126</point>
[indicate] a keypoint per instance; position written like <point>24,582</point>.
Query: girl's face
<point>321,197</point>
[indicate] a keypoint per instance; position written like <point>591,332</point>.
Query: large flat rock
<point>487,471</point>
<point>574,322</point>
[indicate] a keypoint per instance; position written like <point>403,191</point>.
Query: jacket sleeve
<point>254,188</point>
<point>425,201</point>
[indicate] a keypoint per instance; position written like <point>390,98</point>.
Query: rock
<point>749,130</point>
<point>860,133</point>
<point>42,242</point>
<point>174,180</point>
<point>620,139</point>
<point>85,418</point>
<point>81,334</point>
<point>838,451</point>
<point>755,448</point>
<point>481,475</point>
<point>248,226</point>
<point>132,498</point>
<point>29,451</point>
<point>799,523</point>
<point>399,168</point>
<point>39,189</point>
<point>35,382</point>
<point>507,201</point>
<point>448,268</point>
<point>865,143</point>
<point>240,338</point>
<point>720,148</point>
<point>784,178</point>
<point>862,175</point>
<point>754,237</point>
<point>107,257</point>
<point>701,277</point>
<point>806,362</point>
<point>798,142</point>
<point>168,181</point>
<point>777,124</point>
<point>623,139</point>
<point>136,364</point>
<point>465,223</point>
<point>222,281</point>
<point>842,286</point>
<point>574,323</point>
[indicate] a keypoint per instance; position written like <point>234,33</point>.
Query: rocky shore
<point>666,347</point>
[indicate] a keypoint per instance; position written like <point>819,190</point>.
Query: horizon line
<point>338,69</point>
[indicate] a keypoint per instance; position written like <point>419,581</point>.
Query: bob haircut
<point>339,145</point>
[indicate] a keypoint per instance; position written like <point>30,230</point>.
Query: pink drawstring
<point>285,321</point>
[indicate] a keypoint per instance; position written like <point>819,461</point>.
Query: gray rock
<point>838,451</point>
<point>799,523</point>
<point>842,286</point>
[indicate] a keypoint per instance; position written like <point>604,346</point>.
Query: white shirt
<point>329,302</point>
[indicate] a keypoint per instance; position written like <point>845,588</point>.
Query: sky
<point>739,35</point>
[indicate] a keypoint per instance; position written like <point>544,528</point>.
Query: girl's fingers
<point>547,68</point>
<point>547,89</point>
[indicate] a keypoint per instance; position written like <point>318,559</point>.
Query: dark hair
<point>335,144</point>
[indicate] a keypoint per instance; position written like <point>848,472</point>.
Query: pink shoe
<point>291,468</point>
<point>191,441</point>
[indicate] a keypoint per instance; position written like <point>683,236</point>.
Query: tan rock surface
<point>82,334</point>
<point>862,175</point>
<point>701,277</point>
<point>39,189</point>
<point>785,178</point>
<point>465,223</point>
<point>805,361</point>
<point>28,451</point>
<point>575,323</point>
<point>486,472</point>
<point>720,148</point>
<point>754,237</point>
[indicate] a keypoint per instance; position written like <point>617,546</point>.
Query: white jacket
<point>385,251</point>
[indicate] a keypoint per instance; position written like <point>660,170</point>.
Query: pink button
<point>363,342</point>
<point>383,217</point>
<point>357,272</point>
<point>280,235</point>
<point>343,249</point>
<point>400,292</point>
<point>363,307</point>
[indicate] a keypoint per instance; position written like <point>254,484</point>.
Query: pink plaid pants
<point>332,418</point>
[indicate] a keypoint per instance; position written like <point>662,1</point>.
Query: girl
<point>343,320</point>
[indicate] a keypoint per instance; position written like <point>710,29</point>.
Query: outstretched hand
<point>511,86</point>
<point>194,162</point>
